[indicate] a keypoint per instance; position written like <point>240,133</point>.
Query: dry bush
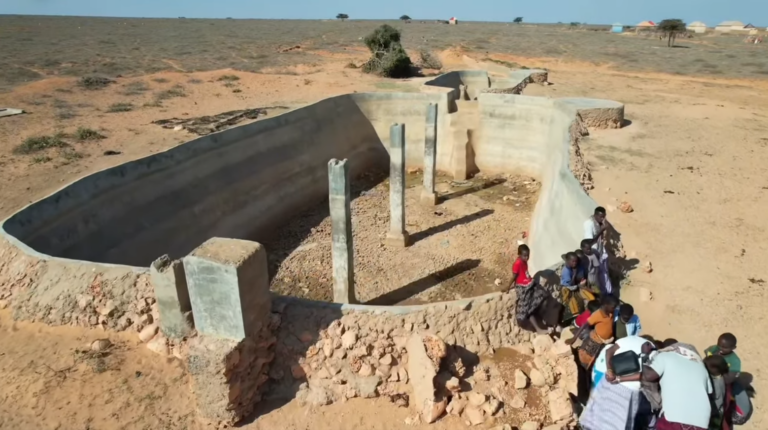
<point>428,60</point>
<point>388,57</point>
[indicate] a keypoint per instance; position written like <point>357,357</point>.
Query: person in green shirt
<point>726,345</point>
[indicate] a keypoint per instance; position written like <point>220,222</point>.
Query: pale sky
<point>628,12</point>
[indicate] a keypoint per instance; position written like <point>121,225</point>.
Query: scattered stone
<point>474,415</point>
<point>537,378</point>
<point>108,308</point>
<point>148,332</point>
<point>555,427</point>
<point>84,302</point>
<point>524,348</point>
<point>99,345</point>
<point>349,339</point>
<point>542,343</point>
<point>3,304</point>
<point>497,282</point>
<point>521,380</point>
<point>503,427</point>
<point>518,402</point>
<point>560,348</point>
<point>318,396</point>
<point>323,374</point>
<point>610,208</point>
<point>647,267</point>
<point>366,370</point>
<point>626,207</point>
<point>413,420</point>
<point>159,344</point>
<point>477,399</point>
<point>365,386</point>
<point>560,407</point>
<point>481,374</point>
<point>386,360</point>
<point>491,406</point>
<point>530,425</point>
<point>456,406</point>
<point>425,351</point>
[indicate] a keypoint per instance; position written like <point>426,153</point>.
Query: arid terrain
<point>691,161</point>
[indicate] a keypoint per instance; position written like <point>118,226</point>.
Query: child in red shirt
<point>592,306</point>
<point>520,275</point>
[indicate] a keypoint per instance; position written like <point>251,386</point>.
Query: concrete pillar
<point>172,295</point>
<point>229,288</point>
<point>339,200</point>
<point>397,234</point>
<point>428,195</point>
<point>463,92</point>
<point>459,155</point>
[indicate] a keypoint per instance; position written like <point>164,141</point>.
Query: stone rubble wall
<point>228,377</point>
<point>326,353</point>
<point>69,292</point>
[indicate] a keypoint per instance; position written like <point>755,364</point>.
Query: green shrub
<point>120,107</point>
<point>84,133</point>
<point>388,57</point>
<point>40,143</point>
<point>175,91</point>
<point>429,60</point>
<point>94,82</point>
<point>228,78</point>
<point>161,80</point>
<point>135,88</point>
<point>382,39</point>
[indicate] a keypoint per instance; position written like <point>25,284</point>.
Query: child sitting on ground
<point>626,323</point>
<point>592,306</point>
<point>590,265</point>
<point>726,344</point>
<point>573,288</point>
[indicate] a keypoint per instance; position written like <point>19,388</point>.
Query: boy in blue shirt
<point>625,322</point>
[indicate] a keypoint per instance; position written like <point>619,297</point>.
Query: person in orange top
<point>536,310</point>
<point>601,323</point>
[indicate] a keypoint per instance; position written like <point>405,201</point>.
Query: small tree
<point>388,57</point>
<point>518,20</point>
<point>342,16</point>
<point>405,18</point>
<point>671,27</point>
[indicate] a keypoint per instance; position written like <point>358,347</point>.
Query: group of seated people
<point>634,382</point>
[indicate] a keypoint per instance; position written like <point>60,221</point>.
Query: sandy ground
<point>460,248</point>
<point>691,163</point>
<point>51,382</point>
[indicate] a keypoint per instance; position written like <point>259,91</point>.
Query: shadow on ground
<point>422,284</point>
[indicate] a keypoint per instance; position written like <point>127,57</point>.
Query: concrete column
<point>172,295</point>
<point>463,92</point>
<point>229,288</point>
<point>428,195</point>
<point>339,200</point>
<point>397,235</point>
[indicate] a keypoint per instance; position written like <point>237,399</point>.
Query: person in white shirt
<point>595,228</point>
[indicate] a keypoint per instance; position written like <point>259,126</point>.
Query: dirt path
<point>692,164</point>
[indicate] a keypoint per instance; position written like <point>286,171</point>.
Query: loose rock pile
<point>361,354</point>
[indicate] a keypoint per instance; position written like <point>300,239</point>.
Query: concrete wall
<point>237,183</point>
<point>475,81</point>
<point>241,182</point>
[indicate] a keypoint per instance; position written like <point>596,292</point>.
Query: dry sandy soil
<point>692,163</point>
<point>458,249</point>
